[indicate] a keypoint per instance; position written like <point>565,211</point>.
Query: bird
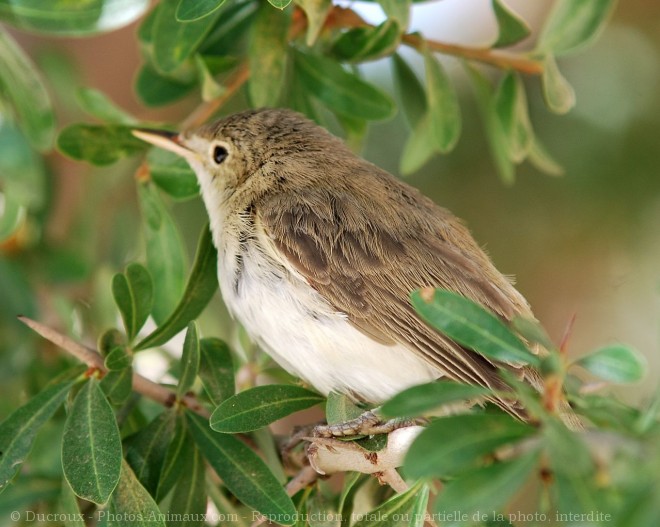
<point>319,250</point>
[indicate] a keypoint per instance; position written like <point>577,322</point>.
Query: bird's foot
<point>367,424</point>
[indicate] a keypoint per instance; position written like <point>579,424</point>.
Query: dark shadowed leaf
<point>471,325</point>
<point>99,145</point>
<point>133,292</point>
<point>341,91</point>
<point>452,444</point>
<point>64,17</point>
<point>175,42</point>
<point>146,450</point>
<point>444,111</point>
<point>117,385</point>
<point>216,369</point>
<point>68,505</point>
<point>118,359</point>
<point>511,28</point>
<point>18,430</point>
<point>260,406</point>
<point>131,505</point>
<point>188,11</point>
<point>91,447</point>
<point>189,360</point>
<point>616,363</point>
<point>511,110</point>
<point>243,472</point>
<point>202,285</point>
<point>97,104</point>
<point>573,24</point>
<point>22,84</point>
<point>172,174</point>
<point>154,89</point>
<point>410,91</point>
<point>425,398</point>
<point>166,255</point>
<point>316,12</point>
<point>367,43</point>
<point>175,458</point>
<point>268,53</point>
<point>557,92</point>
<point>407,508</point>
<point>486,489</point>
<point>189,496</point>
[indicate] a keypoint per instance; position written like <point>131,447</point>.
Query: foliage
<point>123,456</point>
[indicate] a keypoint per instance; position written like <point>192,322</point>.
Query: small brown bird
<point>318,251</point>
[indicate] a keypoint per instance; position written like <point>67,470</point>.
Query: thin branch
<point>93,359</point>
<point>392,478</point>
<point>203,112</point>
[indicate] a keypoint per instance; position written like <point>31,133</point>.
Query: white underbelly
<point>302,332</point>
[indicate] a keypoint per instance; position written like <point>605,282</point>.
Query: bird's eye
<point>219,154</point>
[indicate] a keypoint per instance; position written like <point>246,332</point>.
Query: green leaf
<point>398,507</point>
<point>99,145</point>
<point>165,254</point>
<point>22,84</point>
<point>532,331</point>
<point>471,325</point>
<point>410,91</point>
<point>131,505</point>
<point>216,370</point>
<point>367,43</point>
<point>573,24</point>
<point>188,505</point>
<point>341,91</point>
<point>97,104</point>
<point>557,92</point>
<point>243,472</point>
<point>172,174</point>
<point>202,285</point>
<point>67,504</point>
<point>495,135</point>
<point>210,88</point>
<point>268,53</point>
<point>444,111</point>
<point>133,292</point>
<point>541,159</point>
<point>11,215</point>
<point>118,359</point>
<point>511,28</point>
<point>419,147</point>
<point>316,11</point>
<point>511,110</point>
<point>567,452</point>
<point>117,385</point>
<point>91,448</point>
<point>154,89</point>
<point>340,409</point>
<point>280,4</point>
<point>18,430</point>
<point>397,10</point>
<point>147,449</point>
<point>424,398</point>
<point>175,42</point>
<point>452,444</point>
<point>615,363</point>
<point>64,17</point>
<point>176,456</point>
<point>485,489</point>
<point>189,361</point>
<point>188,11</point>
<point>260,406</point>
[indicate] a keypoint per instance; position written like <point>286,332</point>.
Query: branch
<point>93,359</point>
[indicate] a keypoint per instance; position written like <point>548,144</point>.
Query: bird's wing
<point>365,264</point>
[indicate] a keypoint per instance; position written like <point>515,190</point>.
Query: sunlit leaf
<point>573,24</point>
<point>471,325</point>
<point>341,91</point>
<point>316,12</point>
<point>216,369</point>
<point>172,174</point>
<point>97,104</point>
<point>615,363</point>
<point>444,112</point>
<point>189,360</point>
<point>279,4</point>
<point>210,88</point>
<point>188,11</point>
<point>268,53</point>
<point>258,407</point>
<point>99,145</point>
<point>91,448</point>
<point>419,147</point>
<point>18,430</point>
<point>398,10</point>
<point>22,84</point>
<point>511,28</point>
<point>243,472</point>
<point>200,288</point>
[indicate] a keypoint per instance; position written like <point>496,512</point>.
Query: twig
<point>304,478</point>
<point>203,112</point>
<point>93,359</point>
<point>392,478</point>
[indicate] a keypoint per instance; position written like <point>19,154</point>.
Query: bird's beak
<point>168,140</point>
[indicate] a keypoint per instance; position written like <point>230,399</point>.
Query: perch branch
<point>93,359</point>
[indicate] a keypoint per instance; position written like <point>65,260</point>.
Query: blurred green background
<point>584,244</point>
